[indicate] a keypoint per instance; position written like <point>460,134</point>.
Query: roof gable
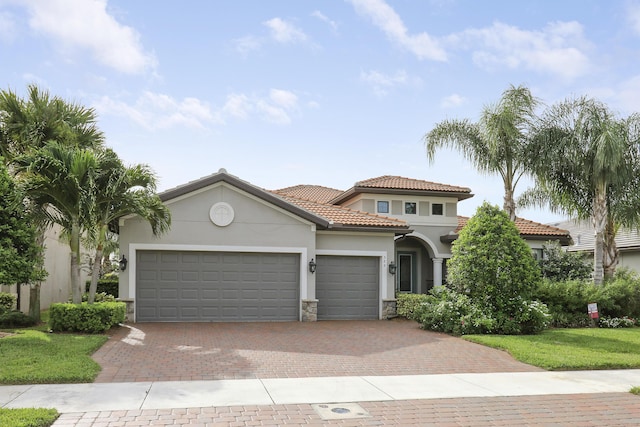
<point>223,176</point>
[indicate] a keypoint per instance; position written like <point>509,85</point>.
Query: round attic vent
<point>221,214</point>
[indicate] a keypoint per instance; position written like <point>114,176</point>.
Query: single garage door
<point>189,286</point>
<point>347,287</point>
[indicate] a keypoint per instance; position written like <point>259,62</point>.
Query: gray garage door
<point>347,287</point>
<point>216,286</point>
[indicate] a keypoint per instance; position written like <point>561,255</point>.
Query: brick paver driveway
<point>200,351</point>
<point>211,351</point>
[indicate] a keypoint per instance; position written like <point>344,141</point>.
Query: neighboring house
<point>57,262</point>
<point>237,252</point>
<point>627,241</point>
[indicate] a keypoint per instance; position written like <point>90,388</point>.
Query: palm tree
<point>120,191</point>
<point>586,165</point>
<point>27,124</point>
<point>60,181</point>
<point>496,143</point>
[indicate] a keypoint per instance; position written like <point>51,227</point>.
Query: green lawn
<point>35,357</point>
<point>27,417</point>
<point>571,349</point>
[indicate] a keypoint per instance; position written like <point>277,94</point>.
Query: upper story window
<point>410,208</point>
<point>383,206</point>
<point>437,209</point>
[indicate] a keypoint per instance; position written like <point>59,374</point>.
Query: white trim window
<point>383,206</point>
<point>410,208</point>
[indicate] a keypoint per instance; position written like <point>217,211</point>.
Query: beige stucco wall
<point>57,262</point>
<point>257,226</point>
<point>630,259</point>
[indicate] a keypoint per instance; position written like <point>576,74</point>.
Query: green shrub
<point>88,318</point>
<point>7,301</point>
<point>107,284</point>
<point>560,265</point>
<point>408,304</point>
<point>454,313</point>
<point>616,322</point>
<point>100,297</point>
<point>15,319</point>
<point>567,301</point>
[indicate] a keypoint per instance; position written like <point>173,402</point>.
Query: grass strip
<point>36,357</point>
<point>29,417</point>
<point>571,349</point>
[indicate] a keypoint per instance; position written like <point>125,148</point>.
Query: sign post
<point>592,309</point>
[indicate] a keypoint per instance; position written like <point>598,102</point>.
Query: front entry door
<point>407,272</point>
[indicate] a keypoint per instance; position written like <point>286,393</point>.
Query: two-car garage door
<point>191,286</point>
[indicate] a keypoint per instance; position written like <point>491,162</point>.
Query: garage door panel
<point>216,286</point>
<point>347,287</point>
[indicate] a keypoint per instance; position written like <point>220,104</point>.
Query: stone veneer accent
<point>389,308</point>
<point>128,316</point>
<point>309,310</point>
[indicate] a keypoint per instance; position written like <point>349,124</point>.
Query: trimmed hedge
<point>87,318</point>
<point>107,285</point>
<point>15,319</point>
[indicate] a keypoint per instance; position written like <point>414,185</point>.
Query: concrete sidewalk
<point>72,398</point>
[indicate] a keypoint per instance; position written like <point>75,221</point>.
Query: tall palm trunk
<point>611,253</point>
<point>97,263</point>
<point>599,225</point>
<point>34,288</point>
<point>509,205</point>
<point>76,285</point>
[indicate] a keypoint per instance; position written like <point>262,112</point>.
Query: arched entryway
<point>419,266</point>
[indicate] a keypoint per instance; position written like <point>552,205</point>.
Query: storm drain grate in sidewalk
<point>338,411</point>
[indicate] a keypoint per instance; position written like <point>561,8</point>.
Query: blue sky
<point>287,92</point>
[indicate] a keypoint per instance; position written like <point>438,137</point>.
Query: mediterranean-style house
<point>237,252</point>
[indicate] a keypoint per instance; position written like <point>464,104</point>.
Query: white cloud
<point>86,24</point>
<point>383,83</point>
<point>557,49</point>
<point>627,95</point>
<point>7,27</point>
<point>633,15</point>
<point>323,18</point>
<point>452,101</point>
<point>272,113</point>
<point>238,106</point>
<point>283,98</point>
<point>285,32</point>
<point>246,44</point>
<point>156,111</point>
<point>422,45</point>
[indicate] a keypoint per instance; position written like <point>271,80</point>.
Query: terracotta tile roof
<point>316,193</point>
<point>402,183</point>
<point>526,227</point>
<point>344,216</point>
